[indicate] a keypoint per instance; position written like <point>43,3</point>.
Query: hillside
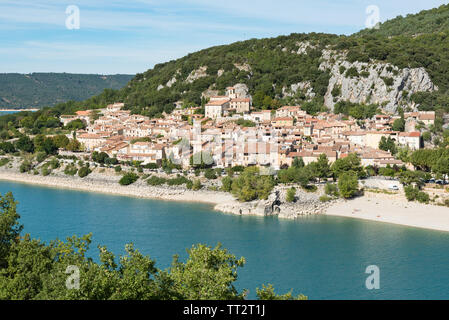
<point>386,68</point>
<point>47,89</point>
<point>427,21</point>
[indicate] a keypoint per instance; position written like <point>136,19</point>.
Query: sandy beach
<point>393,209</point>
<point>94,183</point>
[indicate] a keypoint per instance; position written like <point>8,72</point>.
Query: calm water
<point>2,113</point>
<point>322,257</point>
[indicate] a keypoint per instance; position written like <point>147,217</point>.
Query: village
<point>233,133</point>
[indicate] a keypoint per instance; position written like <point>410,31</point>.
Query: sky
<point>131,36</point>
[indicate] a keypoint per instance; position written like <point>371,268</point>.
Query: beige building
<point>410,139</point>
<point>240,105</point>
<point>216,109</point>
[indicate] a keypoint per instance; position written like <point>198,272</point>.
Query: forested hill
<point>46,89</point>
<point>428,21</point>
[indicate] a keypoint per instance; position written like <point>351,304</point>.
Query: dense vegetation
<point>47,89</point>
<point>31,269</point>
<point>428,21</point>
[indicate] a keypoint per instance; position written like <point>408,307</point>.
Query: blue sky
<point>130,36</point>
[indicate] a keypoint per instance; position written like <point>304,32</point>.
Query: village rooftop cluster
<point>273,138</point>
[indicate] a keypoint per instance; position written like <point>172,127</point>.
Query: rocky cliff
<point>372,83</point>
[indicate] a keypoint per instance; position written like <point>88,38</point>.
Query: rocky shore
<point>106,182</point>
<point>377,207</point>
<point>276,205</point>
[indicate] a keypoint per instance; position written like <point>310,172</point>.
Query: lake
<point>322,257</point>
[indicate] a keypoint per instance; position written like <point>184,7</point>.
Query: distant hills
<point>37,90</point>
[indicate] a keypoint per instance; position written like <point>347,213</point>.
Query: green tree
<point>399,125</point>
<point>268,293</point>
<point>226,184</point>
<point>387,145</point>
<point>74,145</point>
<point>442,167</point>
<point>61,141</point>
<point>10,227</point>
<point>350,163</point>
<point>25,144</point>
<point>323,168</point>
<point>298,163</point>
<point>208,274</point>
<point>250,185</point>
<point>348,185</point>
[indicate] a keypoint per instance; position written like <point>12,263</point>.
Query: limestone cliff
<point>374,82</point>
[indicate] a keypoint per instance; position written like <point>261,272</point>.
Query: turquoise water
<point>322,257</point>
<point>2,113</point>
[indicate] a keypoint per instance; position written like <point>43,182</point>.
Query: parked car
<point>393,187</point>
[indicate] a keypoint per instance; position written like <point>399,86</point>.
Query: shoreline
<point>393,209</point>
<point>18,110</point>
<point>135,191</point>
<point>378,207</point>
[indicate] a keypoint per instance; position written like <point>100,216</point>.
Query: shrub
<point>54,163</point>
<point>3,161</point>
<point>45,171</point>
<point>423,197</point>
<point>352,72</point>
<point>411,193</point>
<point>325,198</point>
<point>151,166</point>
<point>84,172</point>
<point>118,169</point>
<point>70,170</point>
<point>197,185</point>
<point>25,166</point>
<point>128,178</point>
<point>180,180</point>
<point>210,174</point>
<point>388,81</point>
<point>310,188</point>
<point>41,156</point>
<point>291,193</point>
<point>226,184</point>
<point>331,189</point>
<point>427,136</point>
<point>156,181</point>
